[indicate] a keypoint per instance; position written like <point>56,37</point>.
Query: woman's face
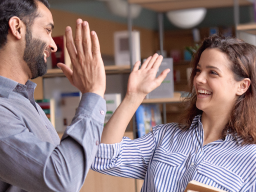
<point>214,83</point>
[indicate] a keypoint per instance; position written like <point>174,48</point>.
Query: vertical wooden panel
<point>38,95</point>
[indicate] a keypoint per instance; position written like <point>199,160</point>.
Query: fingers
<point>136,66</point>
<point>95,45</point>
<point>70,45</point>
<point>67,71</point>
<point>162,76</point>
<point>144,65</point>
<point>153,60</point>
<point>78,38</point>
<point>86,39</point>
<point>157,62</point>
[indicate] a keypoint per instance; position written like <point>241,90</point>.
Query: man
<point>31,156</point>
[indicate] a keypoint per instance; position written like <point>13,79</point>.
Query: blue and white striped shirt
<point>168,158</point>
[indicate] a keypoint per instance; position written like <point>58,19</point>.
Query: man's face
<point>39,42</point>
<point>34,55</point>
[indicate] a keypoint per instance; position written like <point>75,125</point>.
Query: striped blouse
<point>168,158</point>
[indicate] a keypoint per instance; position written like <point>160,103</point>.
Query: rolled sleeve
<point>92,105</point>
<point>129,158</point>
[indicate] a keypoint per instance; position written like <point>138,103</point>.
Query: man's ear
<point>16,26</point>
<point>243,86</point>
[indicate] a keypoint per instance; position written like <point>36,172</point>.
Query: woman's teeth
<point>204,92</point>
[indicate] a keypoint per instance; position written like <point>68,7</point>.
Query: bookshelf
<point>248,28</point>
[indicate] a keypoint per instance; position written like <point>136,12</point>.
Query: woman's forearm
<point>114,130</point>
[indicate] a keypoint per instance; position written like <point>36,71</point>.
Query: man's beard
<point>34,55</point>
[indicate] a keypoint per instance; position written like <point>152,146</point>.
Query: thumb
<point>162,76</point>
<point>67,71</point>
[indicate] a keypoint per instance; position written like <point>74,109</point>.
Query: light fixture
<point>186,18</point>
<point>120,8</point>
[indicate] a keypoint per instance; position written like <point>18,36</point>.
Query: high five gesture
<point>88,73</point>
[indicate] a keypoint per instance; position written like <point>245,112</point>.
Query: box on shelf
<point>147,116</point>
<point>112,102</point>
<point>175,55</point>
<point>48,106</point>
<point>68,105</point>
<point>61,55</point>
<point>247,37</point>
<point>122,47</point>
<point>166,89</point>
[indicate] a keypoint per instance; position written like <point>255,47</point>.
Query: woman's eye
<point>214,72</point>
<point>198,70</point>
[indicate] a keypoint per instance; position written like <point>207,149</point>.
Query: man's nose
<point>53,45</point>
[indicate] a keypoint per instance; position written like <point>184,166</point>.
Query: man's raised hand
<point>88,73</point>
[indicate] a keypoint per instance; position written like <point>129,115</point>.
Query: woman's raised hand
<point>142,81</point>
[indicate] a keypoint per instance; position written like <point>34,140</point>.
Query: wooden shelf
<point>118,69</point>
<point>248,28</point>
<point>176,99</point>
<point>112,69</point>
<point>168,5</point>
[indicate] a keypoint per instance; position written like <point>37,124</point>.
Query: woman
<point>215,141</point>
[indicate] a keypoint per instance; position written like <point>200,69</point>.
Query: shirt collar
<point>196,125</point>
<point>7,86</point>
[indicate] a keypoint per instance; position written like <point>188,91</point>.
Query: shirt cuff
<point>110,151</point>
<point>92,105</point>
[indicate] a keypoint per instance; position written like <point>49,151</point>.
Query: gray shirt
<point>32,158</point>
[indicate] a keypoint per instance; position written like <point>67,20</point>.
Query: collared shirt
<point>168,158</point>
<point>32,158</point>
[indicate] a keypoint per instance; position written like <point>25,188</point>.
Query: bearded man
<point>32,156</point>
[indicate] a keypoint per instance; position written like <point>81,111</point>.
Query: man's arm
<point>32,164</point>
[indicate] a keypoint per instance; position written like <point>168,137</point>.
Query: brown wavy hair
<point>242,122</point>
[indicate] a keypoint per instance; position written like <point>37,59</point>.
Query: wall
<point>105,30</point>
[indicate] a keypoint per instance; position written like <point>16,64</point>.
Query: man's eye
<point>48,30</point>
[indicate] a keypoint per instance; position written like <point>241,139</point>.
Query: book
<point>195,186</point>
<point>48,106</point>
<point>68,105</point>
<point>112,102</point>
<point>122,47</point>
<point>61,55</point>
<point>147,116</point>
<point>166,89</point>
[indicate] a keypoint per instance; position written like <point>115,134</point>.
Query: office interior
<point>222,17</point>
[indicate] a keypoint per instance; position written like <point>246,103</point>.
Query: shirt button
<point>102,112</point>
<point>192,164</point>
<point>97,142</point>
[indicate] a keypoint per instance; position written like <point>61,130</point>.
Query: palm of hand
<point>142,81</point>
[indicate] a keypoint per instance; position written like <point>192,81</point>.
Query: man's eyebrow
<point>52,25</point>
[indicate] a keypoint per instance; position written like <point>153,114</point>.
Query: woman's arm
<point>141,82</point>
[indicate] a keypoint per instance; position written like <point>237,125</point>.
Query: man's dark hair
<point>26,10</point>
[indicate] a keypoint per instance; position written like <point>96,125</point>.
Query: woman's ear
<point>16,26</point>
<point>243,86</point>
